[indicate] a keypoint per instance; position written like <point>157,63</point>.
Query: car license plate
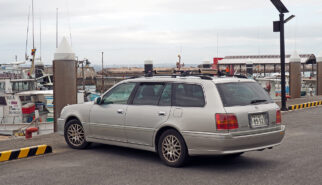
<point>258,120</point>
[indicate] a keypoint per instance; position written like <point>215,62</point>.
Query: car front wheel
<point>172,149</point>
<point>75,135</point>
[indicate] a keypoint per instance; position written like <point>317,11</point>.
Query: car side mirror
<point>98,100</point>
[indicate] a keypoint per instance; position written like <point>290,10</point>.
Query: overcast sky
<point>131,31</point>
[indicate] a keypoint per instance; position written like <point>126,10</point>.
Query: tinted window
<point>23,86</point>
<point>242,93</point>
<point>148,94</point>
<point>119,94</point>
<point>165,99</point>
<point>2,86</point>
<point>3,101</point>
<point>188,95</point>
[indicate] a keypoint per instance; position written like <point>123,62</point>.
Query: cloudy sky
<point>131,31</point>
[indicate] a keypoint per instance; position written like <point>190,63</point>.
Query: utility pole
<point>83,74</point>
<point>282,51</point>
<point>278,26</point>
<point>102,86</point>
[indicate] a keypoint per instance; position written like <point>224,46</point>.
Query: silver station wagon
<point>178,117</point>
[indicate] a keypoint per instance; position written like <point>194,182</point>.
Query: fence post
<point>319,75</point>
<point>65,75</point>
<point>295,75</point>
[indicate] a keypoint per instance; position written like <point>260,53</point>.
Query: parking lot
<point>298,160</point>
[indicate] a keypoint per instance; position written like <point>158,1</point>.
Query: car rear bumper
<point>200,143</point>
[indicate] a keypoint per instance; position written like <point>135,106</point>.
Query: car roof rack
<point>194,73</point>
<point>190,73</point>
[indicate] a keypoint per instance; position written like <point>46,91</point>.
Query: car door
<point>107,118</point>
<point>150,108</point>
<point>189,108</point>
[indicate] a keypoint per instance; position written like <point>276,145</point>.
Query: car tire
<point>172,148</point>
<point>74,135</point>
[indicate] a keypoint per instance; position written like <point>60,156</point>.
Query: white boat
<point>21,103</point>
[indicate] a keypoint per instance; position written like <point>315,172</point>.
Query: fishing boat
<point>21,103</point>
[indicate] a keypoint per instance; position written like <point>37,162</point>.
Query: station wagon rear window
<point>242,93</point>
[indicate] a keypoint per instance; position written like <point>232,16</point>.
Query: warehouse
<point>264,63</point>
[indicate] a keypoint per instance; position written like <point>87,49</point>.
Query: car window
<point>119,94</point>
<point>188,95</point>
<point>165,99</point>
<point>242,93</point>
<point>148,94</point>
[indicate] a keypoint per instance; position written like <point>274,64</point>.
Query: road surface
<point>298,160</point>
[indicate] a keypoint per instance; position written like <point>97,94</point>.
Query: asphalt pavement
<point>298,160</point>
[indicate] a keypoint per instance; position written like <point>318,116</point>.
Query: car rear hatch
<point>250,103</point>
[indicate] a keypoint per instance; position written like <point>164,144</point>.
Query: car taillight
<point>278,117</point>
<point>226,121</point>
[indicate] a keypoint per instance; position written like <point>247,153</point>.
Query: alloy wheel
<point>75,134</point>
<point>171,148</point>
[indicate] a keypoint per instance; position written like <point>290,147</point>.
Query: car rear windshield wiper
<point>257,101</point>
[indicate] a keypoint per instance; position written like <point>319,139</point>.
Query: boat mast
<point>40,40</point>
<point>56,27</point>
<point>33,51</point>
<point>69,25</point>
<point>33,24</point>
<point>26,50</point>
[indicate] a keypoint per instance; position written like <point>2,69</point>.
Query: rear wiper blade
<point>257,101</point>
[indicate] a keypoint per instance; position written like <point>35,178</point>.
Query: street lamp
<point>278,26</point>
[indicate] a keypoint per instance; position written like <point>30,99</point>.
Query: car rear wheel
<point>75,135</point>
<point>172,149</point>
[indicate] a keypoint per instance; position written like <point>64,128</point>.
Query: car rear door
<point>150,108</point>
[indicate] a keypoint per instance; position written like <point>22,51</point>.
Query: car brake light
<point>226,121</point>
<point>278,117</point>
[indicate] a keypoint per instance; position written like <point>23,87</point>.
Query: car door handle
<point>120,111</point>
<point>161,113</point>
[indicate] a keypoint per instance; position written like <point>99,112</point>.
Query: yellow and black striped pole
<point>24,152</point>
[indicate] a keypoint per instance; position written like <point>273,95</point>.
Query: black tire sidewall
<point>184,151</point>
<point>68,124</point>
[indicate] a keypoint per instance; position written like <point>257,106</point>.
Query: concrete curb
<point>304,105</point>
<point>24,152</point>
